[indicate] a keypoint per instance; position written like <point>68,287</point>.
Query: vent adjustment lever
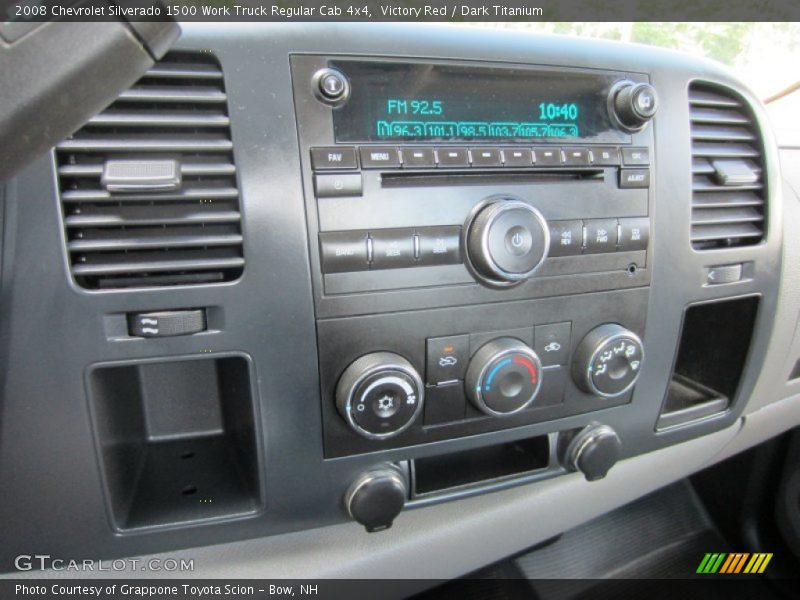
<point>167,323</point>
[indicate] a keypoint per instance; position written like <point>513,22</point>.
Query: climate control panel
<point>405,379</point>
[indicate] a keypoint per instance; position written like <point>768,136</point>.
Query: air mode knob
<point>633,105</point>
<point>608,361</point>
<point>507,240</point>
<point>503,377</point>
<point>380,395</point>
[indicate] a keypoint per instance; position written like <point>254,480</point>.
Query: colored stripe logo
<point>734,563</point>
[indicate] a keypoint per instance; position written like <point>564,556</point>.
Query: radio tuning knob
<point>608,361</point>
<point>380,395</point>
<point>506,241</point>
<point>633,105</point>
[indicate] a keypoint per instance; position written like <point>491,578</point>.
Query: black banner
<point>399,10</point>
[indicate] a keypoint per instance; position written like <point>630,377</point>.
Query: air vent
<point>148,186</point>
<point>728,190</point>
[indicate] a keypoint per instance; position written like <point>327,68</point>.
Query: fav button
<point>333,158</point>
<point>447,358</point>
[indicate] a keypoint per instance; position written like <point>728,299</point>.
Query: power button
<point>518,241</point>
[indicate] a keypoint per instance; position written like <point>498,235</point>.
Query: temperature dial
<point>608,361</point>
<point>380,395</point>
<point>503,377</point>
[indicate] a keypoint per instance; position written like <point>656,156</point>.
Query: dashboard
<point>306,280</point>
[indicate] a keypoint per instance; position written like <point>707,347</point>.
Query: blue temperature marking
<point>493,372</point>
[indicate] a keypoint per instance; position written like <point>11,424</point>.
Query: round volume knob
<point>506,240</point>
<point>380,395</point>
<point>503,377</point>
<point>376,498</point>
<point>632,105</point>
<point>593,451</point>
<point>608,361</point>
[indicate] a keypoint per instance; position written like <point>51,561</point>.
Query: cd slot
<point>487,177</point>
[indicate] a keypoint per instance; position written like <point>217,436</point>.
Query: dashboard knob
<point>503,377</point>
<point>506,240</point>
<point>593,451</point>
<point>380,395</point>
<point>376,498</point>
<point>608,361</point>
<point>633,104</point>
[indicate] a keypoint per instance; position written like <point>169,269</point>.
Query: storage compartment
<point>501,461</point>
<point>715,343</point>
<point>177,440</point>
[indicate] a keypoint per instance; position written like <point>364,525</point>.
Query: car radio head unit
<point>408,102</point>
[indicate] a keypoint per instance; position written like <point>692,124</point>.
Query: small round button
<point>503,377</point>
<point>380,395</point>
<point>331,86</point>
<point>632,105</point>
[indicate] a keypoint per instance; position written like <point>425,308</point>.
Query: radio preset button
<point>439,245</point>
<point>634,178</point>
<point>517,157</point>
<point>453,157</point>
<point>392,248</point>
<point>486,157</point>
<point>634,234</point>
<point>380,157</point>
<point>336,185</point>
<point>635,156</point>
<point>601,235</point>
<point>343,251</point>
<point>547,157</point>
<point>577,157</point>
<point>566,238</point>
<point>418,158</point>
<point>605,156</point>
<point>337,157</point>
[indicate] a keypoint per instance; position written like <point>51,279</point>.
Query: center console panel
<point>469,256</point>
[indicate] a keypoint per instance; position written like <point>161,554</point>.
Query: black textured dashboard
<point>284,245</point>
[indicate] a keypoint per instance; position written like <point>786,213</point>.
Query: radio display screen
<point>396,102</point>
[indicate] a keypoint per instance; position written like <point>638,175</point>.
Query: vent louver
<point>148,186</point>
<point>728,188</point>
